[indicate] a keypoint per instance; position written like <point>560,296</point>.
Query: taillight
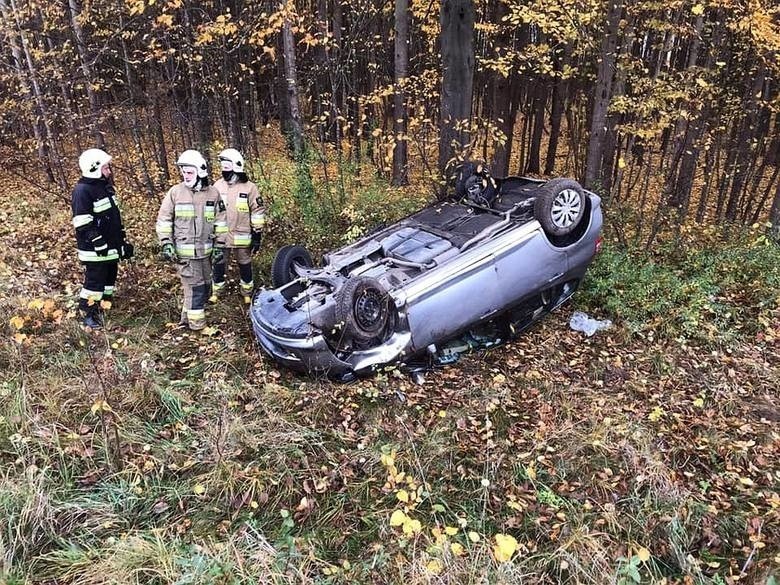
<point>599,241</point>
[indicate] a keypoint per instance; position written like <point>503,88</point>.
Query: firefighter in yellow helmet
<point>187,229</point>
<point>244,217</point>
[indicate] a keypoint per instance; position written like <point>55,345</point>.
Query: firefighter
<point>186,228</point>
<point>244,218</point>
<point>100,236</point>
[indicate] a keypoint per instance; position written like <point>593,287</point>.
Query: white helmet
<point>231,160</point>
<point>192,158</point>
<point>91,161</point>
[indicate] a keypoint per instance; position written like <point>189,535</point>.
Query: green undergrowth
<point>710,292</point>
<point>148,454</point>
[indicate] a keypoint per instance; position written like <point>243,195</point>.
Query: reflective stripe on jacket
<point>96,215</point>
<point>244,212</point>
<point>187,219</point>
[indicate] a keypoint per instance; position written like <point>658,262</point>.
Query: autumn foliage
<point>145,453</point>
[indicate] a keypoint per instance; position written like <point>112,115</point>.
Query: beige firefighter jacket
<point>244,212</point>
<point>188,219</point>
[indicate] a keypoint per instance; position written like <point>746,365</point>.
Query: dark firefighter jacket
<point>97,220</point>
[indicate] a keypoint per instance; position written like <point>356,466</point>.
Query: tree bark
<point>603,95</point>
<point>41,127</point>
<point>556,115</point>
<point>457,53</point>
<point>291,83</point>
<point>537,111</point>
<point>86,70</point>
<point>774,215</point>
<point>400,116</point>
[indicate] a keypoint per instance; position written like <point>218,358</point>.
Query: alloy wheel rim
<point>566,208</point>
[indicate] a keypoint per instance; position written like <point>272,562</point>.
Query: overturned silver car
<point>503,252</point>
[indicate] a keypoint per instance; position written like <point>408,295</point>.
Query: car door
<point>450,298</point>
<point>526,263</point>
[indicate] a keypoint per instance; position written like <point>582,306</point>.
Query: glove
<point>126,250</point>
<point>257,239</point>
<point>169,252</point>
<point>100,246</point>
<point>217,255</point>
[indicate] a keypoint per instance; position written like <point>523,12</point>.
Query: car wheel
<point>363,308</point>
<point>283,266</point>
<point>560,206</point>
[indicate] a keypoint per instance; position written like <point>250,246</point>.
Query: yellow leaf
<point>643,554</point>
<point>450,530</point>
<point>434,566</point>
<point>656,415</point>
<point>165,20</point>
<point>457,549</point>
<point>17,322</point>
<point>699,402</point>
<point>20,338</point>
<point>621,163</point>
<point>746,481</point>
<point>474,536</point>
<point>412,526</point>
<point>698,9</point>
<point>505,547</point>
<point>35,304</point>
<point>531,471</point>
<point>403,495</point>
<point>209,331</point>
<point>199,489</point>
<point>397,518</point>
<point>100,405</point>
<point>388,460</point>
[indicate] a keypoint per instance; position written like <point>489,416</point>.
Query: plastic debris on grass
<point>588,325</point>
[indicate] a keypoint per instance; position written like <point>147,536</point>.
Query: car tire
<point>282,268</point>
<point>560,206</point>
<point>363,309</point>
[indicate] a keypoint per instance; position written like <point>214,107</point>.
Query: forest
<point>647,453</point>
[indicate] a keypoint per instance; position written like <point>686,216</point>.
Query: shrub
<point>706,293</point>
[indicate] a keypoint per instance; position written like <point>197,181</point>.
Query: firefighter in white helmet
<point>244,220</point>
<point>100,235</point>
<point>187,229</point>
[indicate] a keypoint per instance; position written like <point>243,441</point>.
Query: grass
<point>145,454</point>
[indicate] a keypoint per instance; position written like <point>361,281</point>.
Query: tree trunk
<point>505,98</point>
<point>556,115</point>
<point>774,215</point>
<point>744,145</point>
<point>291,80</point>
<point>457,53</point>
<point>400,116</point>
<point>86,70</point>
<point>603,89</point>
<point>539,107</point>
<point>41,127</point>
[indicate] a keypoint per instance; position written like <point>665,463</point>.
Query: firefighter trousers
<point>99,281</point>
<point>195,277</point>
<point>244,260</point>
